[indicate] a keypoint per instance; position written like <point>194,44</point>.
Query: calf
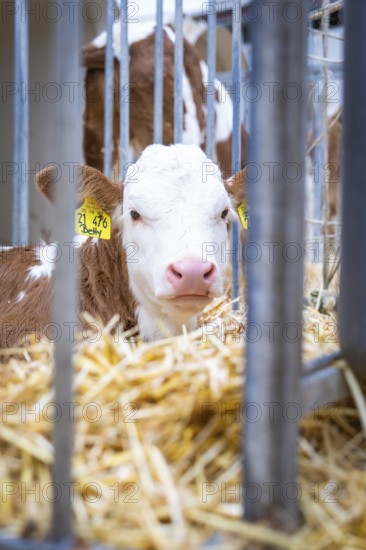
<point>165,259</point>
<point>141,98</point>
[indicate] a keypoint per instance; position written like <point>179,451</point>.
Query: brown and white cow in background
<point>165,259</point>
<point>141,97</point>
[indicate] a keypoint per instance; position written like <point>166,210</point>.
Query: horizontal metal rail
<point>8,542</point>
<point>321,362</point>
<point>321,387</point>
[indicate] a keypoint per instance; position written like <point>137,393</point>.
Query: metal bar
<point>330,35</point>
<point>28,544</point>
<point>21,128</point>
<point>11,543</point>
<point>124,92</point>
<point>235,161</point>
<point>352,304</point>
<point>178,73</point>
<point>317,183</point>
<point>67,140</point>
<point>210,87</point>
<point>275,280</point>
<point>159,74</point>
<point>331,7</point>
<point>321,362</point>
<point>322,387</point>
<point>108,92</point>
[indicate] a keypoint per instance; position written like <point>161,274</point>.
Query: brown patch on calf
<point>93,137</point>
<point>104,283</point>
<point>32,314</point>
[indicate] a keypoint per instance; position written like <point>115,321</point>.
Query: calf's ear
<point>236,186</point>
<point>91,183</point>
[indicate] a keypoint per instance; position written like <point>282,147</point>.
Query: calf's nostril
<point>176,273</point>
<point>209,272</point>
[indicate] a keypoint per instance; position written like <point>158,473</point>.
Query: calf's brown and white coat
<point>170,207</point>
<point>141,98</point>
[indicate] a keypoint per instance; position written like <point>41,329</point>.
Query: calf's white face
<point>174,224</point>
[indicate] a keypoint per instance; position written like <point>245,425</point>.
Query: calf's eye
<point>135,215</point>
<point>224,213</point>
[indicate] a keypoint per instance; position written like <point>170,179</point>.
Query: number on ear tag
<point>91,221</point>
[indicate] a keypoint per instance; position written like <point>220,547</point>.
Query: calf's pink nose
<point>191,276</point>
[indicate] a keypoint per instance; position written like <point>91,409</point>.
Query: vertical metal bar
<point>178,73</point>
<point>108,102</point>
<point>68,147</point>
<point>211,63</point>
<point>159,74</point>
<point>318,130</point>
<point>275,279</point>
<point>352,314</point>
<point>124,92</point>
<point>235,162</point>
<point>21,127</point>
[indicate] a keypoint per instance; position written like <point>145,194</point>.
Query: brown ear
<point>236,186</point>
<point>45,181</point>
<point>92,183</point>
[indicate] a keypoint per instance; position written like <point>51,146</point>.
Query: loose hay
<point>154,447</point>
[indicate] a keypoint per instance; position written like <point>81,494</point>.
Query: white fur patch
<point>20,297</point>
<point>223,108</point>
<point>47,255</point>
<point>82,239</point>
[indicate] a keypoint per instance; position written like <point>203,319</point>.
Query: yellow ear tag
<point>243,211</point>
<point>91,221</point>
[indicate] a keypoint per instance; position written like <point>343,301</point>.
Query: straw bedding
<point>157,460</point>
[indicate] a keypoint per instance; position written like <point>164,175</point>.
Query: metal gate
<point>275,370</point>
